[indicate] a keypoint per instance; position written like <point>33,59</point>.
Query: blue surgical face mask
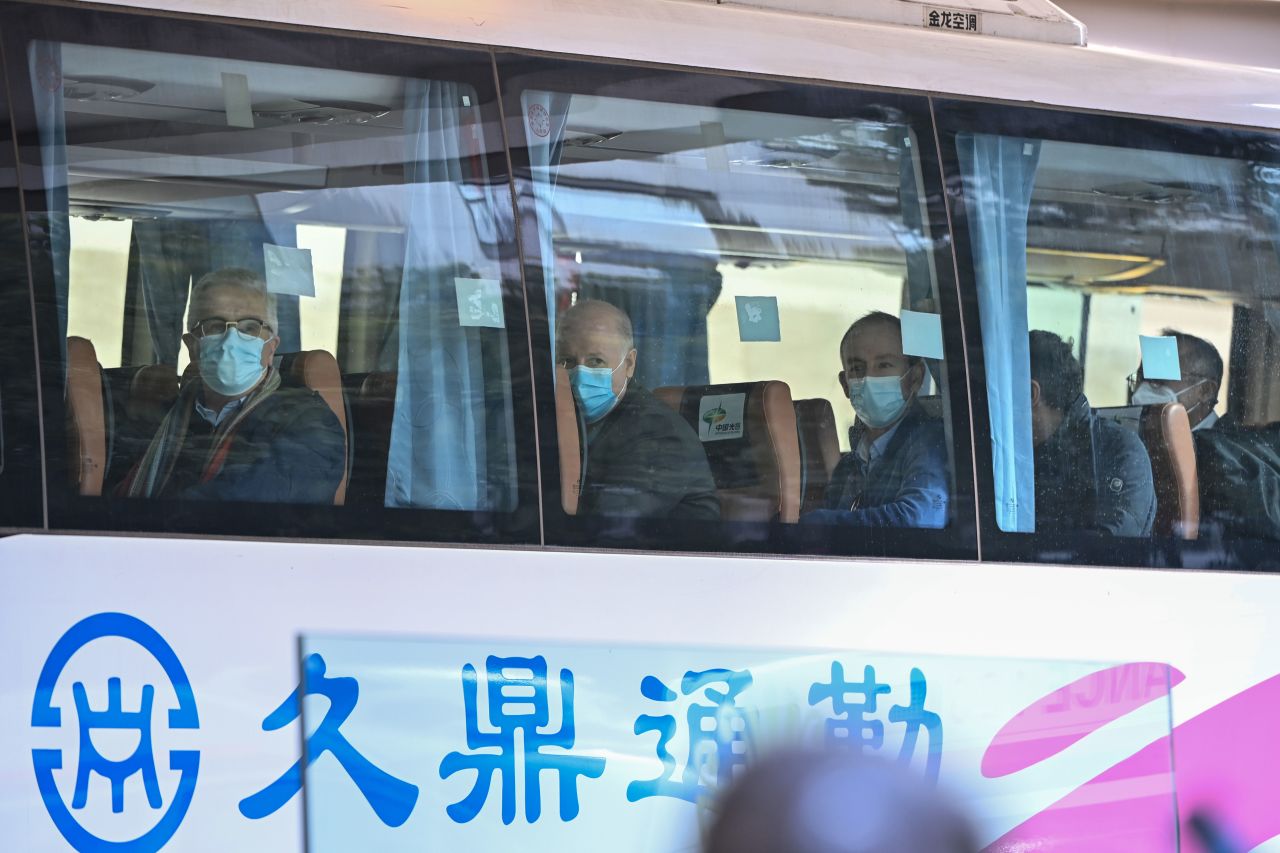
<point>593,389</point>
<point>1151,394</point>
<point>231,363</point>
<point>878,400</point>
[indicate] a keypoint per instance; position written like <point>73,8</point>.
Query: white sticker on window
<point>720,417</point>
<point>288,270</point>
<point>921,334</point>
<point>480,302</point>
<point>237,100</point>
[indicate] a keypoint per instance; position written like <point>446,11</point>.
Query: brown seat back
<point>86,418</point>
<point>373,410</point>
<point>1166,432</point>
<point>819,449</point>
<point>756,467</point>
<point>569,444</point>
<point>318,370</point>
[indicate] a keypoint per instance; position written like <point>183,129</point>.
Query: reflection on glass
<point>1105,256</point>
<point>739,247</point>
<point>486,745</point>
<point>354,212</point>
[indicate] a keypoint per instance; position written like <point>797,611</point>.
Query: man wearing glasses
<point>1198,388</point>
<point>236,432</point>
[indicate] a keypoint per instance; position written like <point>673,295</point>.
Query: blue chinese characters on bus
<point>717,732</point>
<point>519,702</point>
<point>109,716</point>
<point>854,727</point>
<point>391,799</point>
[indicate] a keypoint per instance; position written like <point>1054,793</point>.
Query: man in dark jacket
<point>896,473</point>
<point>235,432</point>
<point>643,460</point>
<point>1091,473</point>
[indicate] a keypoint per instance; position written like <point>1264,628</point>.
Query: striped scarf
<point>152,472</point>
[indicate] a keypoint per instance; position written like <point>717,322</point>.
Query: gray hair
<point>237,277</point>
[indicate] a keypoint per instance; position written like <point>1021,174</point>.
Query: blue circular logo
<point>44,714</point>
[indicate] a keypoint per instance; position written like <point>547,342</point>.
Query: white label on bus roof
<point>956,20</point>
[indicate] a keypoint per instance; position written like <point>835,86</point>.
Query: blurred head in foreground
<point>806,801</point>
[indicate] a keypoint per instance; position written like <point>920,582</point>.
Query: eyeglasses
<point>216,327</point>
<point>1136,378</point>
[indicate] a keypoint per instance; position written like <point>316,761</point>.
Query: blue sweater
<point>907,486</point>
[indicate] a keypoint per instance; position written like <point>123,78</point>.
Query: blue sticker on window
<point>758,318</point>
<point>1160,358</point>
<point>921,334</point>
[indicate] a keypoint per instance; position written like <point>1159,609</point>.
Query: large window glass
<point>276,283</point>
<point>742,308</point>
<point>1127,280</point>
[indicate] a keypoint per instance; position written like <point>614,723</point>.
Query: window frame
<point>188,36</point>
<point>518,71</point>
<point>954,116</point>
<point>21,453</point>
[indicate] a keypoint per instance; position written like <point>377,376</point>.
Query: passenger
<point>235,432</point>
<point>896,473</point>
<point>642,459</point>
<point>1090,473</point>
<point>839,801</point>
<point>1198,388</point>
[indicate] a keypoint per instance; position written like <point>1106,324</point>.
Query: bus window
<point>276,284</point>
<point>1129,305</point>
<point>742,308</point>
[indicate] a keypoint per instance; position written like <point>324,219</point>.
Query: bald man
<point>642,458</point>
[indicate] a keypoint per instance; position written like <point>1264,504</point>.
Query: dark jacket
<point>907,486</point>
<point>1093,474</point>
<point>289,449</point>
<point>644,460</point>
<point>1239,474</point>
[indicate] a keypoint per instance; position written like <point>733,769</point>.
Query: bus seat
<point>318,370</point>
<point>137,400</point>
<point>373,405</point>
<point>757,474</point>
<point>819,449</point>
<point>569,444</point>
<point>86,418</point>
<point>931,406</point>
<point>1166,431</point>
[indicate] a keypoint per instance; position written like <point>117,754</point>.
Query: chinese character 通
<point>717,735</point>
<point>391,799</point>
<point>518,702</point>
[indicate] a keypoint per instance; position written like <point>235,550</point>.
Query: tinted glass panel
<point>280,273</point>
<point>20,490</point>
<point>701,249</point>
<point>1128,290</point>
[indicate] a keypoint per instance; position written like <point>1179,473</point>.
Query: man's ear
<point>1035,393</point>
<point>630,363</point>
<point>844,384</point>
<point>192,344</point>
<point>269,350</point>
<point>915,378</point>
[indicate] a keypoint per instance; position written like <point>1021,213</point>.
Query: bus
<point>430,580</point>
